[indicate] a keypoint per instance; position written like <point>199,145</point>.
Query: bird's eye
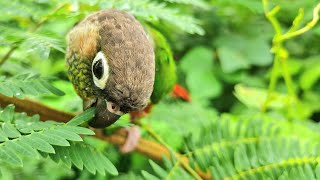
<point>113,108</point>
<point>97,69</point>
<point>100,70</point>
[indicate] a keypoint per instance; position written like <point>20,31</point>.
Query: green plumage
<point>165,76</point>
<point>79,73</point>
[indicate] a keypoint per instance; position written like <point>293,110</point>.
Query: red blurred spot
<point>181,92</point>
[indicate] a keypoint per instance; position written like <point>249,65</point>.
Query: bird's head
<point>111,65</point>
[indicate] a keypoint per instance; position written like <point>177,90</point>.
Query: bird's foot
<point>133,137</point>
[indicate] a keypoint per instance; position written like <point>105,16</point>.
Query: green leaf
<point>5,90</point>
<point>148,176</point>
<point>241,161</point>
<point>3,136</point>
<point>311,75</point>
<point>255,97</point>
<point>98,162</point>
<point>36,142</point>
<point>9,156</point>
<point>52,89</point>
<point>52,138</point>
<point>108,165</point>
<point>27,84</point>
<point>158,170</point>
<point>6,115</point>
<point>83,117</point>
<point>240,52</point>
<point>29,150</point>
<point>197,64</point>
<point>78,130</point>
<point>63,133</point>
<point>10,131</point>
<point>232,60</point>
<point>76,157</point>
<point>89,164</point>
<point>23,149</point>
<point>63,154</point>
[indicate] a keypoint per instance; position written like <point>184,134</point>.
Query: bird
<point>111,64</point>
<point>119,65</point>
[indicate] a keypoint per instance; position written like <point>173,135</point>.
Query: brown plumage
<point>129,55</point>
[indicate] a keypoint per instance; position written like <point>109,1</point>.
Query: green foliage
<point>200,76</point>
<point>27,84</point>
<point>252,146</point>
<point>152,11</point>
<point>21,136</point>
<point>171,171</point>
<point>238,125</point>
<point>32,43</point>
<point>240,52</point>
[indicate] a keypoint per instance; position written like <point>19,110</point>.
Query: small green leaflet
<point>83,117</point>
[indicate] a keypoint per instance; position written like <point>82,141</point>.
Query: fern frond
<point>295,168</point>
<point>24,136</point>
<point>83,155</point>
<point>153,11</point>
<point>32,42</point>
<point>15,8</point>
<point>12,34</point>
<point>198,3</point>
<point>27,84</point>
<point>41,45</point>
<point>255,147</point>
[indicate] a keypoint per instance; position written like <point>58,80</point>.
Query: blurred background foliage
<point>223,54</point>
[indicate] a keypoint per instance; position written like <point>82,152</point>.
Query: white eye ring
<point>101,80</point>
<point>113,108</point>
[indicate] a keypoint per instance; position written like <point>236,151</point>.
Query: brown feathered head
<point>111,64</point>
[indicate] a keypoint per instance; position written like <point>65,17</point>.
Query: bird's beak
<point>103,117</point>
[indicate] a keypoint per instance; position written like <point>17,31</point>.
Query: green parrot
<point>115,67</point>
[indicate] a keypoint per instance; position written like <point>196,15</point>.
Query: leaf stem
<point>272,84</point>
<point>8,54</point>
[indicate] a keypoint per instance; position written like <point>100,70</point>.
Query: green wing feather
<point>165,75</point>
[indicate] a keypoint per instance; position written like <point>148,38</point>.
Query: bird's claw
<point>132,140</point>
